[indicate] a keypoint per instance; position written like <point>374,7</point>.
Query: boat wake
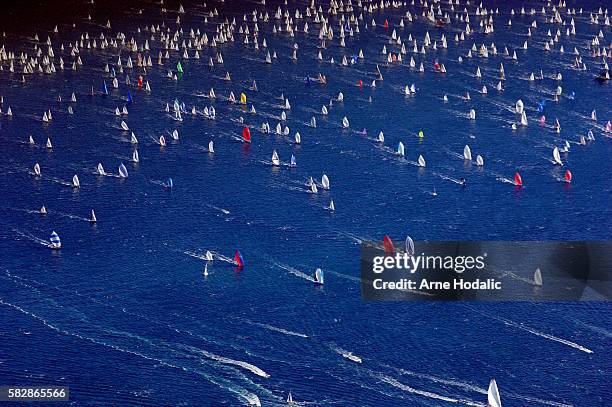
<point>294,271</point>
<point>31,237</point>
<point>276,329</point>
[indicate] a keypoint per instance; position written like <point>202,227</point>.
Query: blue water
<point>124,316</point>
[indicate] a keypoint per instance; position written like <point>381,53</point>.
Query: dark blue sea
<point>123,314</point>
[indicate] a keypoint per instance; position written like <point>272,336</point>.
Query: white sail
<point>175,135</point>
<point>37,169</point>
<point>345,122</point>
<point>123,172</point>
<point>289,399</point>
<point>523,119</point>
<point>135,157</point>
<point>313,122</point>
<point>381,137</point>
<point>133,139</point>
<point>324,110</point>
<point>325,182</point>
<point>331,206</point>
<point>493,399</point>
<point>479,160</point>
<point>537,277</point>
<point>31,140</point>
<point>275,159</point>
<point>313,188</point>
<point>467,153</point>
<point>49,145</point>
<point>557,156</point>
<point>319,279</point>
<point>162,140</point>
<point>298,138</point>
<point>75,181</point>
<point>400,149</point>
<point>100,169</point>
<point>124,125</point>
<point>421,161</point>
<point>93,216</point>
<point>211,147</point>
<point>409,246</point>
<point>519,106</point>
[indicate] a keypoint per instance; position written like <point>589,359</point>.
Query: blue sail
<point>104,88</point>
<point>293,163</point>
<point>55,240</point>
<point>129,97</point>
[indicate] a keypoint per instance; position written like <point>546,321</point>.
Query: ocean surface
<point>123,315</point>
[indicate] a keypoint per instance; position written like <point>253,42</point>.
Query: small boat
<point>55,241</point>
<point>537,277</point>
<point>318,277</point>
<point>493,399</point>
<point>409,246</point>
<point>325,182</point>
<point>467,153</point>
<point>354,358</point>
<point>275,159</point>
<point>123,172</point>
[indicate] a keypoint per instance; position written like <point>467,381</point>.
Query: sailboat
<point>93,217</point>
<point>318,277</point>
<point>123,172</point>
<point>37,169</point>
<point>421,161</point>
<point>324,182</point>
<point>135,157</point>
<point>493,399</point>
<point>75,181</point>
<point>345,122</point>
<point>537,277</point>
<point>479,160</point>
<point>409,246</point>
<point>467,153</point>
<point>275,159</point>
<point>211,147</point>
<point>55,241</point>
<point>556,156</point>
<point>290,399</point>
<point>331,206</point>
<point>400,149</point>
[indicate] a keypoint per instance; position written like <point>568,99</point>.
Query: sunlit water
<point>123,315</point>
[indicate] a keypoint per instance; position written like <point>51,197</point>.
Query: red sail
<point>568,176</point>
<point>518,180</point>
<point>388,245</point>
<point>238,259</point>
<point>246,134</point>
